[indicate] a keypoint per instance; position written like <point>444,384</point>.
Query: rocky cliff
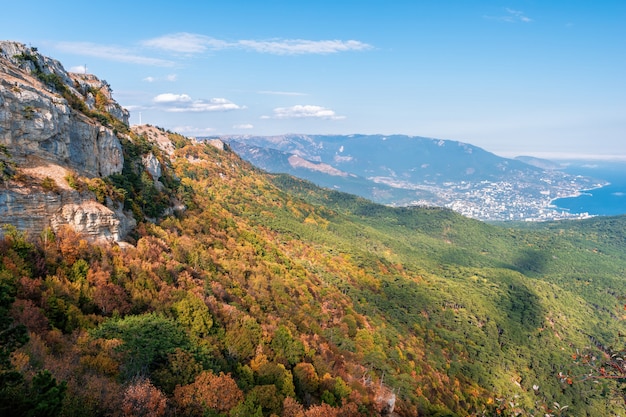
<point>56,125</point>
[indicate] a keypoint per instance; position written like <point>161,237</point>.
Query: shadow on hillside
<point>532,262</point>
<point>460,257</point>
<point>523,310</point>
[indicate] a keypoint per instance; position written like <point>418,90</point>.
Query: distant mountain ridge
<point>405,170</point>
<point>414,158</point>
<point>538,162</point>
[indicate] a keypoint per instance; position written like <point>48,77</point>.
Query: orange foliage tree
<point>209,392</point>
<point>141,398</point>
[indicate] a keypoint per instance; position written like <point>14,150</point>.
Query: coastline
<point>604,200</point>
<point>578,193</point>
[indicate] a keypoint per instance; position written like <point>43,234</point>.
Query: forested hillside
<point>270,296</point>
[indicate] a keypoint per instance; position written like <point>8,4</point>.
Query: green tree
<point>277,374</point>
<point>243,338</point>
<point>181,368</point>
<point>247,408</point>
<point>45,396</point>
<point>268,398</point>
<point>305,378</point>
<point>194,315</point>
<point>11,338</point>
<point>286,349</point>
<point>147,339</point>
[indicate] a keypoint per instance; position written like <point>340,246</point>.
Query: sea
<point>609,200</point>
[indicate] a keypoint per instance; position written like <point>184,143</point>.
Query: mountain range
<point>401,170</point>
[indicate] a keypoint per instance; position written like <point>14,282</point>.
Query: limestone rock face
<point>100,155</point>
<point>93,220</point>
<point>28,210</point>
<point>36,120</point>
<point>87,84</point>
<point>33,211</point>
<point>48,129</point>
<point>217,143</point>
<point>156,136</point>
<point>152,165</point>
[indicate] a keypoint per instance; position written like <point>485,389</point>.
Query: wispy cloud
<point>243,126</point>
<point>519,15</point>
<point>302,46</point>
<point>169,77</point>
<point>135,107</point>
<point>190,43</point>
<point>181,103</point>
<point>193,131</point>
<point>187,43</point>
<point>111,53</point>
<point>303,112</point>
<point>282,93</point>
<point>511,16</point>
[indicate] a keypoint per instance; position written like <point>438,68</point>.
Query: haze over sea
<point>606,201</point>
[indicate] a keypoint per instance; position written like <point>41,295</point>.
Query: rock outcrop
<point>33,211</point>
<point>35,119</point>
<point>51,124</point>
<point>157,136</point>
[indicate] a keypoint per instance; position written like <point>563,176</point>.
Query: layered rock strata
<point>47,128</point>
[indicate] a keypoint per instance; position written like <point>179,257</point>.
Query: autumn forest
<point>268,296</point>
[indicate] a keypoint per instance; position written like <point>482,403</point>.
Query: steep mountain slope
<point>269,296</point>
<point>419,311</point>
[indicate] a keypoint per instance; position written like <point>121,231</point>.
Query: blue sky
<point>538,77</point>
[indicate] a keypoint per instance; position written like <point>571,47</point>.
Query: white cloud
<point>191,43</point>
<point>181,103</point>
<point>193,131</point>
<point>302,46</point>
<point>303,112</point>
<point>512,16</point>
<point>282,93</point>
<point>135,107</point>
<point>188,43</point>
<point>80,69</point>
<point>171,98</point>
<point>215,104</point>
<point>112,53</point>
<point>169,77</point>
<point>244,126</point>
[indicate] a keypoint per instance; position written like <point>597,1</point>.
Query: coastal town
<point>521,199</point>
